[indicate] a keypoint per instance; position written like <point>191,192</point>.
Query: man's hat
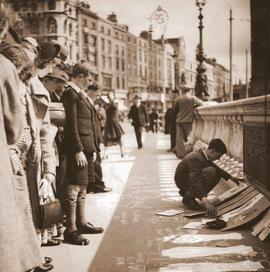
<point>93,86</point>
<point>80,69</point>
<point>58,74</point>
<point>31,44</point>
<point>136,97</point>
<point>63,50</point>
<point>48,51</point>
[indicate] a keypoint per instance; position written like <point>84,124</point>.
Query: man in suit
<point>81,144</point>
<point>139,119</point>
<point>184,111</point>
<point>99,185</point>
<point>196,175</point>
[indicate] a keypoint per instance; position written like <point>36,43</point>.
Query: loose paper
<point>170,212</point>
<point>203,251</point>
<point>193,225</point>
<point>244,266</point>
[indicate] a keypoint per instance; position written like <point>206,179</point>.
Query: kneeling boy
<point>196,175</point>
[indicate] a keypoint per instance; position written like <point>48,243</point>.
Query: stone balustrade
<point>226,121</point>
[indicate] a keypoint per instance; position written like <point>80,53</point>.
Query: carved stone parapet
<point>226,120</point>
<point>255,106</point>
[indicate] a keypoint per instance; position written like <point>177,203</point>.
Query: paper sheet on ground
<point>170,212</point>
<point>244,266</point>
<point>191,214</point>
<point>199,238</point>
<point>193,225</point>
<point>203,251</point>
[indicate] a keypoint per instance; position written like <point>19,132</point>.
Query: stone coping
<point>255,106</point>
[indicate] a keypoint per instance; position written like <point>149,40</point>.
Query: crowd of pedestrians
<point>51,130</point>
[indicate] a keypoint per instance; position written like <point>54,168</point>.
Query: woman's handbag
<point>50,213</point>
<point>50,208</point>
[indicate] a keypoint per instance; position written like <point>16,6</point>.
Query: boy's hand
<point>211,210</point>
<point>81,159</point>
<point>94,156</point>
<point>238,180</point>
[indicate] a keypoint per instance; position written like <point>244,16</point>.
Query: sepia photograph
<point>134,135</point>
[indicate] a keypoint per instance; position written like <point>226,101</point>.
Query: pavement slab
<point>136,238</point>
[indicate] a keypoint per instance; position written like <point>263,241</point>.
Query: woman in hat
<point>22,161</point>
<point>113,130</point>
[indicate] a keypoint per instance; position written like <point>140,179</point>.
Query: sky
<point>183,21</point>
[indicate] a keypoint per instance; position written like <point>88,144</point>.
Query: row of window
<point>120,84</point>
<point>32,6</point>
<point>104,30</point>
<point>51,27</point>
<point>131,39</point>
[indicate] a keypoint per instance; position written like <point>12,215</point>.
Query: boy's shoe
<point>75,238</point>
<point>89,228</point>
<point>191,203</point>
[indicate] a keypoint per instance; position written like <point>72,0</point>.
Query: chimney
<point>112,17</point>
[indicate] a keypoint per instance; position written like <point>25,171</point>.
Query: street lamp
<point>161,18</point>
<point>201,79</point>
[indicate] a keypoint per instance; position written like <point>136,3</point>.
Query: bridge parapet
<point>244,126</point>
<point>226,121</point>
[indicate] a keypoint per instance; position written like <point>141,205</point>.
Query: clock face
<point>160,16</point>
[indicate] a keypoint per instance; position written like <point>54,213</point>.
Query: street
<point>136,239</point>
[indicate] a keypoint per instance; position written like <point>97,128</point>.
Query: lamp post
<point>161,18</point>
<point>201,79</point>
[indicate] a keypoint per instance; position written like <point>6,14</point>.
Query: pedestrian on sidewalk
<point>99,185</point>
<point>153,120</point>
<point>184,111</point>
<point>170,125</point>
<point>113,131</point>
<point>196,175</point>
<point>139,118</point>
<point>81,146</point>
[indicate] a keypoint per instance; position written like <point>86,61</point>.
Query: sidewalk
<point>136,239</point>
<point>99,207</point>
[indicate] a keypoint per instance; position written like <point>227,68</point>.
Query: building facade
<point>124,63</point>
<point>133,79</point>
<point>106,55</point>
<point>49,20</point>
<point>88,35</point>
<point>179,47</point>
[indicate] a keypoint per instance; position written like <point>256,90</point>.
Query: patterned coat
<point>42,158</point>
<point>11,124</point>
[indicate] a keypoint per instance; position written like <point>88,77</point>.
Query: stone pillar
<point>260,47</point>
<point>256,141</point>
